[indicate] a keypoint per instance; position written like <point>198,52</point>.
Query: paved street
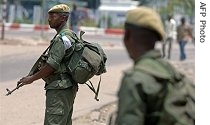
<point>26,106</point>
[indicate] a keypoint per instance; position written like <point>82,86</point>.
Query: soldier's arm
<point>44,72</point>
<point>56,55</point>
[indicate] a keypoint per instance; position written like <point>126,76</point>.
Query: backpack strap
<point>70,35</point>
<point>49,46</point>
<point>34,67</point>
<point>93,89</point>
<point>73,35</point>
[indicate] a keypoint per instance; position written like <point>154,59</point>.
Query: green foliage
<point>26,21</point>
<point>109,21</point>
<point>93,4</point>
<point>143,2</point>
<point>120,26</point>
<point>188,6</point>
<point>88,22</point>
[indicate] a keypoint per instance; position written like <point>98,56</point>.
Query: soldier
<point>60,88</point>
<point>142,93</point>
<point>143,28</point>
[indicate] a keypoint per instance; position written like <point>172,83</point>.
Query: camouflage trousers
<point>59,106</point>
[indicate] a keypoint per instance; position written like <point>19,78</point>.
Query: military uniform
<point>60,88</point>
<point>139,91</point>
<point>138,94</point>
<point>152,92</point>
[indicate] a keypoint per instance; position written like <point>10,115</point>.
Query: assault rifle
<point>36,67</point>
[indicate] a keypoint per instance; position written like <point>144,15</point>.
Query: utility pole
<point>43,18</point>
<point>3,18</point>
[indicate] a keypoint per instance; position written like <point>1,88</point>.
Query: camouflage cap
<point>60,8</point>
<point>147,18</point>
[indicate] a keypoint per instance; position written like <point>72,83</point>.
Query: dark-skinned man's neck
<point>60,27</point>
<point>140,51</point>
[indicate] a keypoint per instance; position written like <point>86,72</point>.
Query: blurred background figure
<point>184,35</point>
<point>74,19</point>
<point>170,28</point>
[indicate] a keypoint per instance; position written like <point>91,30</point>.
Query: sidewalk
<point>20,105</point>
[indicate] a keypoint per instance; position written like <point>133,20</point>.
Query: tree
<point>187,6</point>
<point>143,2</point>
<point>93,4</point>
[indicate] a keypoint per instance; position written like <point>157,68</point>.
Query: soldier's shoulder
<point>56,38</point>
<point>148,83</point>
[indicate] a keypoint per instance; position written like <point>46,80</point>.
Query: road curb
<point>114,31</point>
<point>43,42</point>
<point>46,28</point>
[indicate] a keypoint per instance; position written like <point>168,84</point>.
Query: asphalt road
<point>17,65</point>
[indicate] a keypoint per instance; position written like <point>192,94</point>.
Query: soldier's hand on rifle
<point>25,81</point>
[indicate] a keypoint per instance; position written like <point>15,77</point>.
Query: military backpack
<point>85,61</point>
<point>178,94</point>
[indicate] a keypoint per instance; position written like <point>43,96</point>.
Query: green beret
<point>147,18</point>
<point>61,8</point>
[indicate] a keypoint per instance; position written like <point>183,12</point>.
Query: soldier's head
<point>143,27</point>
<point>58,15</point>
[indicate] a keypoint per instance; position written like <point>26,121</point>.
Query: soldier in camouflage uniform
<point>60,88</point>
<point>152,92</point>
<point>143,28</point>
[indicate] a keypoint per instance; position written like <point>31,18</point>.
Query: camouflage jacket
<point>56,54</point>
<point>139,94</point>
